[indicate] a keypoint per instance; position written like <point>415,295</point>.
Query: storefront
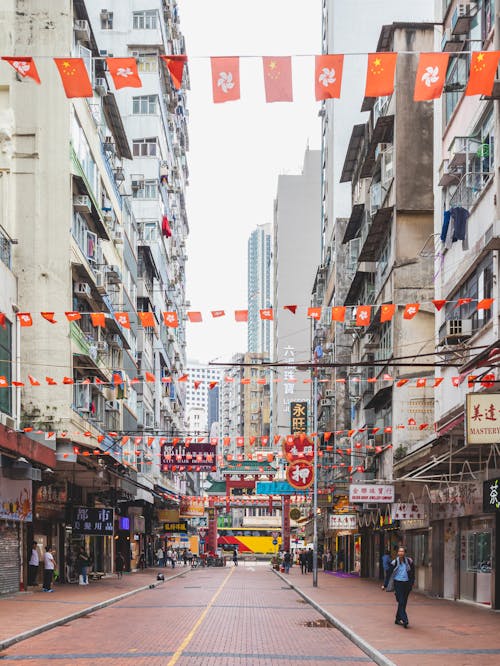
<point>48,522</point>
<point>137,536</point>
<point>15,514</point>
<point>93,528</point>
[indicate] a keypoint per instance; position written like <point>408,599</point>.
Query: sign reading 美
<point>88,520</point>
<point>359,492</point>
<point>483,418</point>
<point>491,495</point>
<point>298,417</point>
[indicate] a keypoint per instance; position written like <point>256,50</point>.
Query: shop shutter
<point>9,559</point>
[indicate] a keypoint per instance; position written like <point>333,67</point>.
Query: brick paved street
<point>224,617</point>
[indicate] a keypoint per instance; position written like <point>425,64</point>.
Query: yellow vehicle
<point>252,540</point>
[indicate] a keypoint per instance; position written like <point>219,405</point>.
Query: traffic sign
<point>275,542</point>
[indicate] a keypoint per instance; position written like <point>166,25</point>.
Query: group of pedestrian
<point>306,560</point>
<point>49,566</point>
<point>172,556</point>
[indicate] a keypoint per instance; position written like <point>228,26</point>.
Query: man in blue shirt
<point>403,572</point>
<point>386,566</point>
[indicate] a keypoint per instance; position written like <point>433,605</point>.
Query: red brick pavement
<point>440,632</point>
<point>255,620</point>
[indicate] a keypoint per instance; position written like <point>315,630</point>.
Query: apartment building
<point>259,288</point>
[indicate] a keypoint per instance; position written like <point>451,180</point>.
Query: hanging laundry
<point>165,227</point>
<point>446,224</point>
<point>460,216</point>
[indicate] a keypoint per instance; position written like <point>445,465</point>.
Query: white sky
<point>238,149</point>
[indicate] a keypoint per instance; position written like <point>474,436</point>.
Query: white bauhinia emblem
<point>363,315</point>
<point>411,310</point>
<point>124,71</point>
<point>327,76</point>
<point>430,76</point>
<point>22,66</point>
<point>225,82</point>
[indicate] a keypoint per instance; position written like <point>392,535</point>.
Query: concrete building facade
<point>259,289</point>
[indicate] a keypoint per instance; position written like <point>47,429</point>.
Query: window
<point>478,286</point>
<point>149,191</point>
<point>384,349</point>
<point>145,105</point>
<point>145,147</point>
<point>146,20</point>
<point>456,78</point>
<point>146,62</point>
<point>6,366</point>
<point>483,161</point>
<point>106,20</point>
<point>489,17</point>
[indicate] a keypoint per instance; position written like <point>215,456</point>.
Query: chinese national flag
<point>387,312</point>
<point>147,319</point>
<point>431,74</point>
<point>363,315</point>
<point>123,319</point>
<point>314,313</point>
<point>328,76</point>
<point>241,315</point>
<point>175,65</point>
<point>171,319</point>
<point>194,317</point>
<point>150,377</point>
<point>411,310</point>
<point>49,316</point>
<point>74,77</point>
<point>380,71</point>
<point>483,68</point>
<point>225,79</point>
<point>124,72</point>
<point>24,66</point>
<point>338,313</point>
<point>278,78</point>
<point>267,313</point>
<point>98,319</point>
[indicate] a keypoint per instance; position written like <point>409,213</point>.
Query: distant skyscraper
<point>259,289</point>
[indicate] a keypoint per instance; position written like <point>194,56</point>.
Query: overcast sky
<point>238,149</point>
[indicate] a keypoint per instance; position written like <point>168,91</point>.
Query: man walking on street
<point>33,564</point>
<point>287,561</point>
<point>386,566</point>
<point>49,564</point>
<point>403,571</point>
<point>303,561</point>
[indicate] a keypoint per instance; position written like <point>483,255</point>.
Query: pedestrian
<point>329,560</point>
<point>169,556</point>
<point>235,557</point>
<point>184,557</point>
<point>386,566</point>
<point>287,561</point>
<point>142,561</point>
<point>160,555</point>
<point>189,556</point>
<point>33,564</point>
<point>309,560</point>
<point>173,558</point>
<point>303,562</point>
<point>403,576</point>
<point>49,565</point>
<point>119,564</point>
<point>82,564</point>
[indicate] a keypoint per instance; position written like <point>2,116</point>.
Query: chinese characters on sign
<point>483,418</point>
<point>342,521</point>
<point>300,474</point>
<point>298,448</point>
<point>179,526</point>
<point>401,511</point>
<point>289,373</point>
<point>298,417</point>
<point>93,521</point>
<point>369,493</point>
<point>198,454</point>
<point>491,495</point>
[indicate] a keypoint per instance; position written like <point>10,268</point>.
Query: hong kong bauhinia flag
<point>225,79</point>
<point>328,76</point>
<point>483,68</point>
<point>74,77</point>
<point>124,72</point>
<point>278,78</point>
<point>431,74</point>
<point>380,71</point>
<point>24,66</point>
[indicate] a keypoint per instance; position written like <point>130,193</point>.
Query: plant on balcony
<point>400,452</point>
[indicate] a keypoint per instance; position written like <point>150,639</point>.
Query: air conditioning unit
<point>99,282</point>
<point>330,393</point>
<point>116,340</point>
<point>82,203</point>
<point>113,274</point>
<point>457,330</point>
<point>82,288</point>
<point>82,30</point>
<point>102,346</point>
<point>36,474</point>
<point>109,144</point>
<point>101,87</point>
<point>112,406</point>
<point>137,184</point>
<point>326,402</point>
<point>7,421</point>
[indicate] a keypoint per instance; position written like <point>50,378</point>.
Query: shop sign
<point>199,522</point>
<point>298,448</point>
<point>402,511</point>
<point>339,521</point>
<point>191,507</point>
<point>300,474</point>
<point>275,488</point>
<point>88,520</point>
<point>298,417</point>
<point>197,455</point>
<point>455,501</point>
<point>16,500</point>
<point>51,500</point>
<point>360,493</point>
<point>482,418</point>
<point>179,526</point>
<point>491,495</point>
<point>413,524</point>
<point>168,515</point>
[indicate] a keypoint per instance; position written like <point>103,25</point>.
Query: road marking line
<point>189,637</point>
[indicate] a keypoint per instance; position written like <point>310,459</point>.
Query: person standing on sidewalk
<point>49,564</point>
<point>287,561</point>
<point>303,562</point>
<point>119,564</point>
<point>403,574</point>
<point>386,566</point>
<point>33,564</point>
<point>235,557</point>
<point>83,563</point>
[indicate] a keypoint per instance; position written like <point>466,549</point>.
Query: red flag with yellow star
<point>380,71</point>
<point>74,77</point>
<point>483,67</point>
<point>278,78</point>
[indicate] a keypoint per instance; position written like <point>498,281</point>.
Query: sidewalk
<point>29,611</point>
<point>440,632</point>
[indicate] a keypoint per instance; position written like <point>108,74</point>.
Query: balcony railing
<point>5,248</point>
<point>469,188</point>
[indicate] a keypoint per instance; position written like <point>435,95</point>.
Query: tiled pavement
<point>221,617</point>
<point>440,632</point>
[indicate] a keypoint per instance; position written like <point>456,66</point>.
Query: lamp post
<point>315,482</point>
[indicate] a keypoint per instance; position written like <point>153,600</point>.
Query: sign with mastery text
<point>483,418</point>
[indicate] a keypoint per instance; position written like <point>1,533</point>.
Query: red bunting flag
<point>363,315</point>
<point>328,76</point>
<point>338,313</point>
<point>278,78</point>
<point>147,319</point>
<point>183,378</point>
<point>3,323</point>
<point>411,310</point>
<point>123,319</point>
<point>314,313</point>
<point>241,315</point>
<point>33,381</point>
<point>74,77</point>
<point>439,305</point>
<point>49,316</point>
<point>387,312</point>
<point>437,381</point>
<point>267,313</point>
<point>124,72</point>
<point>485,304</point>
<point>150,377</point>
<point>175,65</point>
<point>421,383</point>
<point>483,68</point>
<point>194,317</point>
<point>212,385</point>
<point>117,379</point>
<point>401,383</point>
<point>463,301</point>
<point>50,381</point>
<point>290,308</point>
<point>3,382</point>
<point>171,319</point>
<point>98,319</point>
<point>380,70</point>
<point>218,313</point>
<point>225,79</point>
<point>24,66</point>
<point>73,316</point>
<point>68,380</point>
<point>25,318</point>
<point>431,74</point>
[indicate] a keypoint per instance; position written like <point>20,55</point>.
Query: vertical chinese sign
<point>298,417</point>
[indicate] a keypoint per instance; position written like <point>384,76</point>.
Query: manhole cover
<point>318,623</point>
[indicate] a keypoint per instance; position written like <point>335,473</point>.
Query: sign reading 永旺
<point>360,493</point>
<point>87,520</point>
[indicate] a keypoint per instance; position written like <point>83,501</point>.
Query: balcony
<point>462,17</point>
<point>84,184</point>
<point>374,233</point>
<point>5,248</point>
<point>86,347</point>
<point>469,188</point>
